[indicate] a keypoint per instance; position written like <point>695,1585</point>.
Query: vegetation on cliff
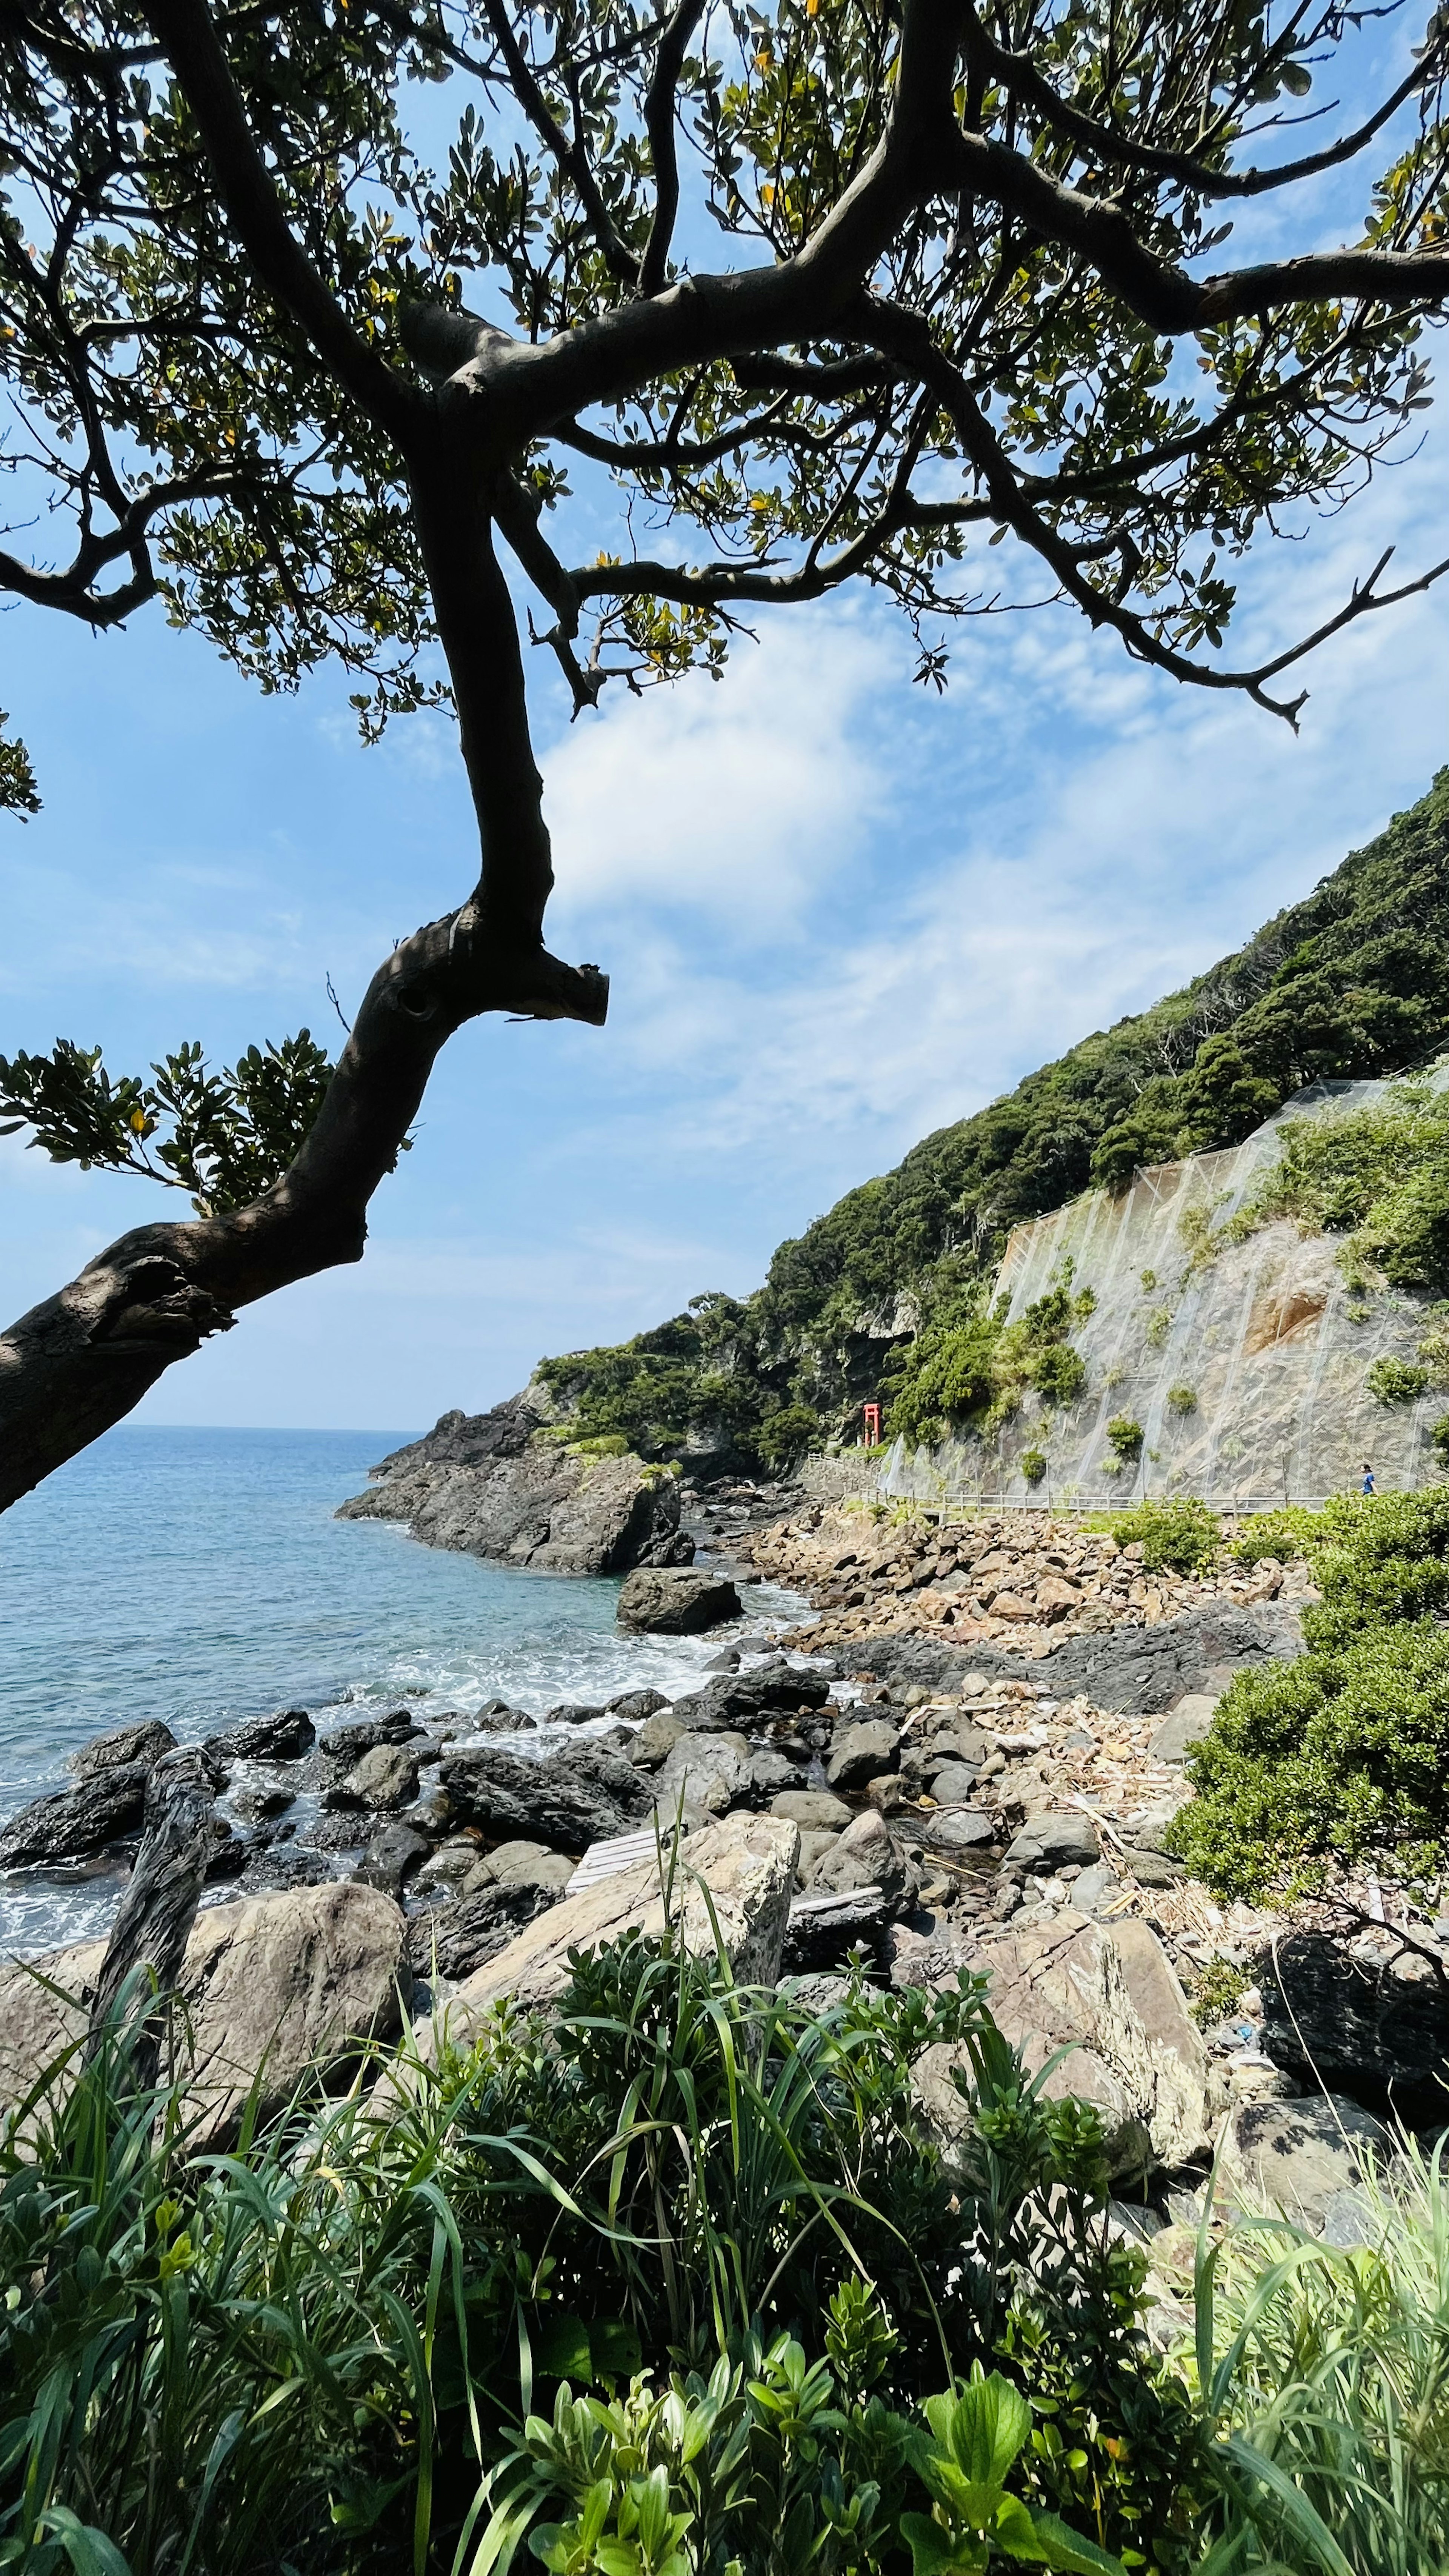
<point>1352,982</point>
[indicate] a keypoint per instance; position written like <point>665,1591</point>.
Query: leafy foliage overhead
<point>226,1137</point>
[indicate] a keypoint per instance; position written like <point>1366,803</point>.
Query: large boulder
<point>122,1745</point>
<point>74,1824</point>
<point>274,1986</point>
<point>1138,1672</point>
<point>583,1795</point>
<point>1108,1995</point>
<point>1302,2158</point>
<point>732,1884</point>
<point>1373,2026</point>
<point>861,1753</point>
<point>500,1485</point>
<point>284,1738</point>
<point>675,1601</point>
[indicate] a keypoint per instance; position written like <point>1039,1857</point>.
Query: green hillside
<point>1353,981</point>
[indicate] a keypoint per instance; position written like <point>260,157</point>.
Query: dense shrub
<point>308,2354</point>
<point>1182,1536</point>
<point>1293,1531</point>
<point>1033,1465</point>
<point>1342,1756</point>
<point>977,1370</point>
<point>1379,1175</point>
<point>1124,1436</point>
<point>1392,1381</point>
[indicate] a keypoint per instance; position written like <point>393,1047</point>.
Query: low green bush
<point>1293,1531</point>
<point>1124,1435</point>
<point>1033,1465</point>
<point>1181,1536</point>
<point>1440,1435</point>
<point>1393,1381</point>
<point>1341,1756</point>
<point>331,2351</point>
<point>1182,1399</point>
<point>785,1436</point>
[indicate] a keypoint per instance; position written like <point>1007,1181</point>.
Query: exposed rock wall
<point>1264,1334</point>
<point>494,1485</point>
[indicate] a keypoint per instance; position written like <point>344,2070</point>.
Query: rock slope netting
<point>1244,1363</point>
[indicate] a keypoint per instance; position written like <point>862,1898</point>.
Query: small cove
<point>199,1576</point>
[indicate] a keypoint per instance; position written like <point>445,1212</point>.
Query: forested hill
<point>1353,981</point>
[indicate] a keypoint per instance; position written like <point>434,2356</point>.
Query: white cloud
<point>734,799</point>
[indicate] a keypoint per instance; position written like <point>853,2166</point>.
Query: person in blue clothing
<point>1368,1477</point>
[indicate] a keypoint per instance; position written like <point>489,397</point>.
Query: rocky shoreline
<point>974,1750</point>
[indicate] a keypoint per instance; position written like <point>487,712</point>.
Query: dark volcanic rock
<point>387,1776</point>
<point>1138,1672</point>
<point>72,1824</point>
<point>675,1602</point>
<point>466,1935</point>
<point>392,1856</point>
<point>267,1739</point>
<point>776,1689</point>
<point>123,1744</point>
<point>363,1735</point>
<point>584,1795</point>
<point>1355,2026</point>
<point>634,1706</point>
<point>492,1484</point>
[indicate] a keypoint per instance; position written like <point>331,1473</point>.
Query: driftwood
<point>159,1906</point>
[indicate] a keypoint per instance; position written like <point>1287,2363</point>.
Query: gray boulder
<point>454,1940</point>
<point>638,1706</point>
<point>709,1771</point>
<point>735,1891</point>
<point>363,1734</point>
<point>122,1746</point>
<point>391,1857</point>
<point>957,1833</point>
<point>813,1810</point>
<point>285,1738</point>
<point>865,1856</point>
<point>1109,1996</point>
<point>385,1777</point>
<point>574,1798</point>
<point>952,1785</point>
<point>1302,2157</point>
<point>673,1601</point>
<point>861,1753</point>
<point>497,1485</point>
<point>1183,1727</point>
<point>275,1987</point>
<point>1056,1838</point>
<point>655,1740</point>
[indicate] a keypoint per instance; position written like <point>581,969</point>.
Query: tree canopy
<point>304,308</point>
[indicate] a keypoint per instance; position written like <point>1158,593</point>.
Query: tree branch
<point>659,124</point>
<point>1018,74</point>
<point>569,154</point>
<point>187,31</point>
<point>80,1361</point>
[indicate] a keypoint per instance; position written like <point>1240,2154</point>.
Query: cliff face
<point>495,1485</point>
<point>1245,1363</point>
<point>1350,984</point>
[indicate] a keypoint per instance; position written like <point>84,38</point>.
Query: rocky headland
<point>511,1485</point>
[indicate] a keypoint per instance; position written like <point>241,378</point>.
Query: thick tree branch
<point>515,390</point>
<point>79,1362</point>
<point>659,125</point>
<point>187,31</point>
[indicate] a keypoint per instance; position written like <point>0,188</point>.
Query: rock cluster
<point>1022,1583</point>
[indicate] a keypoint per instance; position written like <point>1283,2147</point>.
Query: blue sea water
<point>199,1576</point>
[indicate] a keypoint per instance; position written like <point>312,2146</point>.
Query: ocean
<point>199,1576</point>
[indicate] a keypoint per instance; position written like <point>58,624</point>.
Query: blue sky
<point>837,913</point>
